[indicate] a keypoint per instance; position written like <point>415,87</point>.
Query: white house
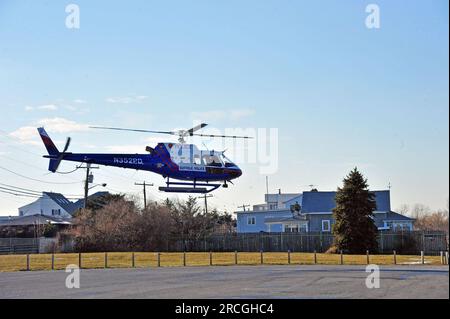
<point>50,204</point>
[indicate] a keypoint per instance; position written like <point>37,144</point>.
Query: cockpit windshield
<point>227,161</point>
<point>212,160</point>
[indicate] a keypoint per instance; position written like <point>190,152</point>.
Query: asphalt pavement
<point>302,281</point>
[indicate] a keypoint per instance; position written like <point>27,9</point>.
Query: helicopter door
<point>187,157</point>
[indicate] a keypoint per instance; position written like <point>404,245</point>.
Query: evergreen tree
<point>354,230</point>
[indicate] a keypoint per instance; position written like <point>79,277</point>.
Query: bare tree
<point>434,221</point>
<point>120,225</point>
<point>420,210</point>
<point>108,228</point>
<point>403,209</point>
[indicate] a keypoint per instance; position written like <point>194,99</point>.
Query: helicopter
<point>195,171</point>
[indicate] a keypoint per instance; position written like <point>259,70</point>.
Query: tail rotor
<point>54,155</point>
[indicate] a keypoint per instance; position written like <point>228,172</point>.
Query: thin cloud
<point>51,107</point>
<point>126,99</point>
<point>29,134</point>
<point>218,115</point>
<point>26,135</point>
<point>62,125</point>
<point>48,107</point>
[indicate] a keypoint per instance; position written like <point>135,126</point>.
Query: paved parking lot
<point>316,281</point>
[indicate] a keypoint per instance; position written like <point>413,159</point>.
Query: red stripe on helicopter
<point>168,161</point>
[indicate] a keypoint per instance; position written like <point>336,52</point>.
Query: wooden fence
<point>403,242</point>
<point>431,243</point>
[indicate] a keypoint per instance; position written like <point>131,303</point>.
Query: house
<point>50,204</point>
<point>55,205</point>
<point>311,212</point>
<point>33,220</point>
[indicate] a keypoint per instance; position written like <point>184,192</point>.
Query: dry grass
<point>150,259</point>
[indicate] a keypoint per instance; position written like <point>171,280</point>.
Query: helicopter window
<point>228,162</point>
<point>197,160</point>
<point>212,160</point>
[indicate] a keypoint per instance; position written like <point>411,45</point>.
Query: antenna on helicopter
<point>180,133</point>
<point>203,143</point>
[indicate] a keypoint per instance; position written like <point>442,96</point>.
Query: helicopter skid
<point>204,189</point>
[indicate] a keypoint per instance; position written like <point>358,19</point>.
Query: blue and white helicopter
<point>179,161</point>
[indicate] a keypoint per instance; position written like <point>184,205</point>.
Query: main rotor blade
<point>227,136</point>
<point>132,130</point>
<point>195,128</point>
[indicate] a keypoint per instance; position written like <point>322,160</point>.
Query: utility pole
<point>267,191</point>
<point>205,197</point>
<point>145,191</point>
<point>88,180</point>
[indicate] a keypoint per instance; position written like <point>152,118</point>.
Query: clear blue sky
<point>340,94</point>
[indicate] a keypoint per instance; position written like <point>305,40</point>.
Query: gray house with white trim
<point>56,205</point>
<point>313,214</point>
<point>49,204</point>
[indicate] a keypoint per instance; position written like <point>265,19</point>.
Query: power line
<point>16,188</point>
<point>39,168</point>
<point>20,188</point>
<point>16,140</point>
<point>19,191</point>
<point>38,180</point>
<point>17,194</point>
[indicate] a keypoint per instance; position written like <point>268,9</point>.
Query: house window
<point>56,212</point>
<point>326,225</point>
<point>397,226</point>
<point>303,228</point>
<point>291,228</point>
<point>251,220</point>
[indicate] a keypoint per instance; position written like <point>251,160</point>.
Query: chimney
<point>279,202</point>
